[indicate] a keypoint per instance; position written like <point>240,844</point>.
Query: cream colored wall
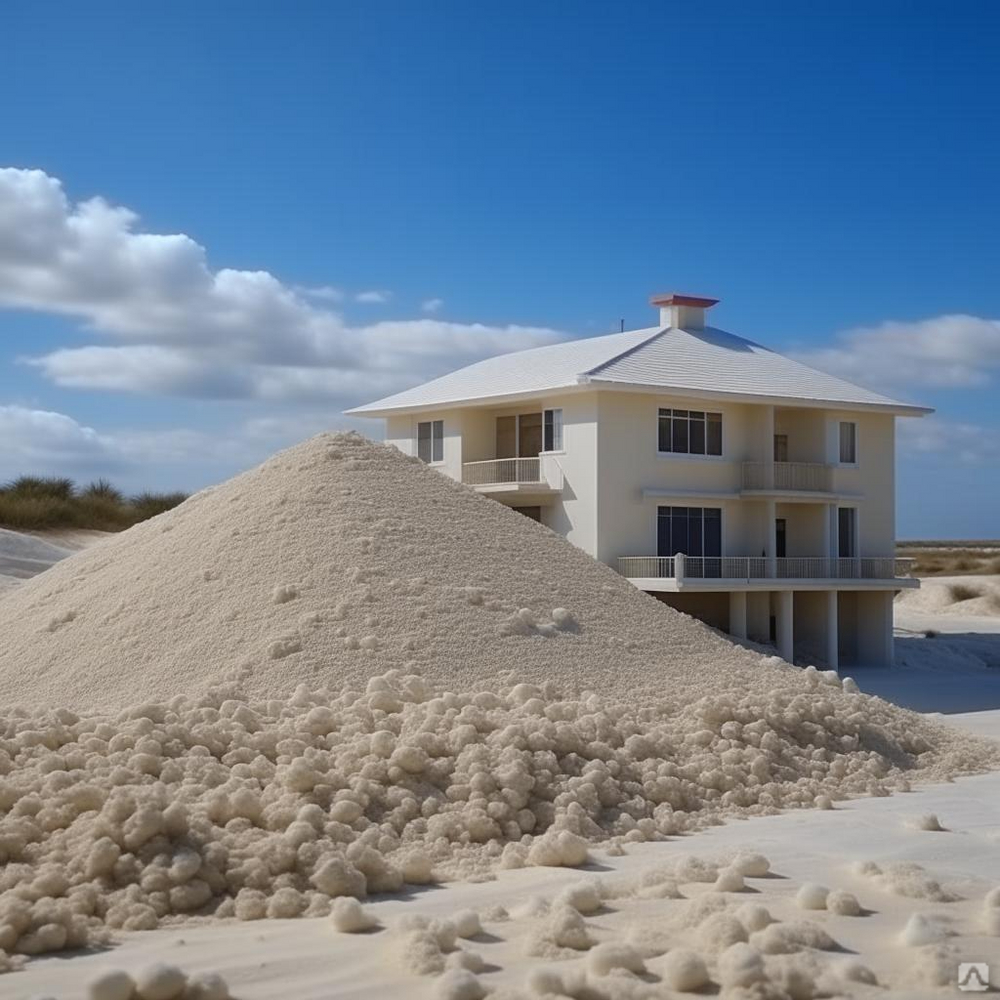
<point>610,455</point>
<point>628,462</point>
<point>402,432</point>
<point>874,477</point>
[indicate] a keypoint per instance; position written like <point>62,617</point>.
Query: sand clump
<point>438,743</point>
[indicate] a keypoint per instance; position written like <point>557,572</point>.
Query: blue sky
<point>373,193</point>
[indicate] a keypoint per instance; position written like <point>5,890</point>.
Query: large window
<point>848,442</point>
<point>695,531</point>
<point>847,532</point>
<point>430,440</point>
<point>690,432</point>
<point>553,436</point>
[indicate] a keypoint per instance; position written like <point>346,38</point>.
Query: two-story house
<point>729,481</point>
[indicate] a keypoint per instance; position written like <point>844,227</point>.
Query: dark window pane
<point>680,436</point>
<point>424,441</point>
<point>713,531</point>
<point>663,532</point>
<point>679,532</point>
<point>845,532</point>
<point>697,415</point>
<point>714,434</point>
<point>848,442</point>
<point>681,413</point>
<point>697,441</point>
<point>663,439</point>
<point>695,528</point>
<point>438,441</point>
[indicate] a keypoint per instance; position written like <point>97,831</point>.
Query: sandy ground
<point>26,554</point>
<point>309,960</point>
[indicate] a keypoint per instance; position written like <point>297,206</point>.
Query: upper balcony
<point>787,477</point>
<point>668,573</point>
<point>540,476</point>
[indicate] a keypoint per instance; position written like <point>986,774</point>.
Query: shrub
<point>101,489</point>
<point>146,505</point>
<point>962,592</point>
<point>27,512</point>
<point>37,503</point>
<point>53,487</point>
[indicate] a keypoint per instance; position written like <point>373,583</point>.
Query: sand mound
<point>312,773</point>
<point>967,596</point>
<point>333,562</point>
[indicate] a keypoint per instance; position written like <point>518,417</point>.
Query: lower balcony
<point>534,476</point>
<point>762,573</point>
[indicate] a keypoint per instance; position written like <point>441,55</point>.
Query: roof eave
<point>453,404</point>
<point>892,406</point>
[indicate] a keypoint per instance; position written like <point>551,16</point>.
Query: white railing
<point>650,567</point>
<point>762,568</point>
<point>812,476</point>
<point>500,471</point>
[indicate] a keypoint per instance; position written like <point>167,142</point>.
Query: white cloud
<point>432,305</point>
<point>972,444</point>
<point>374,297</point>
<point>327,293</point>
<point>171,325</point>
<point>945,352</point>
<point>44,442</point>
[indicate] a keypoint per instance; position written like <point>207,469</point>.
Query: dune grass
<point>37,503</point>
<point>934,558</point>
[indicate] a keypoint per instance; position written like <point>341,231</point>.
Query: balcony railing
<point>811,476</point>
<point>504,471</point>
<point>762,568</point>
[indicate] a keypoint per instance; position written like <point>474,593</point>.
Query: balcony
<point>538,475</point>
<point>759,572</point>
<point>780,477</point>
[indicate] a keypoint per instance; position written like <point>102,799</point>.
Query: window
<point>430,440</point>
<point>847,532</point>
<point>848,442</point>
<point>690,432</point>
<point>553,437</point>
<point>695,531</point>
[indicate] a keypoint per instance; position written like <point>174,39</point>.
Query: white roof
<point>703,363</point>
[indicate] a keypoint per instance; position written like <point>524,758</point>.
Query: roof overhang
<point>501,399</point>
<point>897,409</point>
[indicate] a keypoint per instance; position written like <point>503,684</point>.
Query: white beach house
<point>729,481</point>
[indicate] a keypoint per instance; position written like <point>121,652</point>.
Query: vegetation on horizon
<point>936,558</point>
<point>36,503</point>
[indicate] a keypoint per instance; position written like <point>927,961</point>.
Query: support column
<point>890,638</point>
<point>786,637</point>
<point>832,632</point>
<point>738,614</point>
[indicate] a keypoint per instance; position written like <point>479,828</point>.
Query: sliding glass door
<point>694,531</point>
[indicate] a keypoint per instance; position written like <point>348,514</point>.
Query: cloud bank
<point>165,322</point>
<point>945,352</point>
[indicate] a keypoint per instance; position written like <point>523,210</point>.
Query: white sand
<point>331,563</point>
<point>971,595</point>
<point>309,960</point>
<point>313,775</point>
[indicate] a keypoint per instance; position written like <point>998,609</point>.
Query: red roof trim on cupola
<point>677,299</point>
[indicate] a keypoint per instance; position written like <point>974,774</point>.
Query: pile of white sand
<point>335,561</point>
<point>968,596</point>
<point>313,773</point>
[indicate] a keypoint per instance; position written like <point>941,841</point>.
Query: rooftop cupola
<point>686,312</point>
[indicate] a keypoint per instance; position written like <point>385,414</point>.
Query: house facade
<point>727,480</point>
